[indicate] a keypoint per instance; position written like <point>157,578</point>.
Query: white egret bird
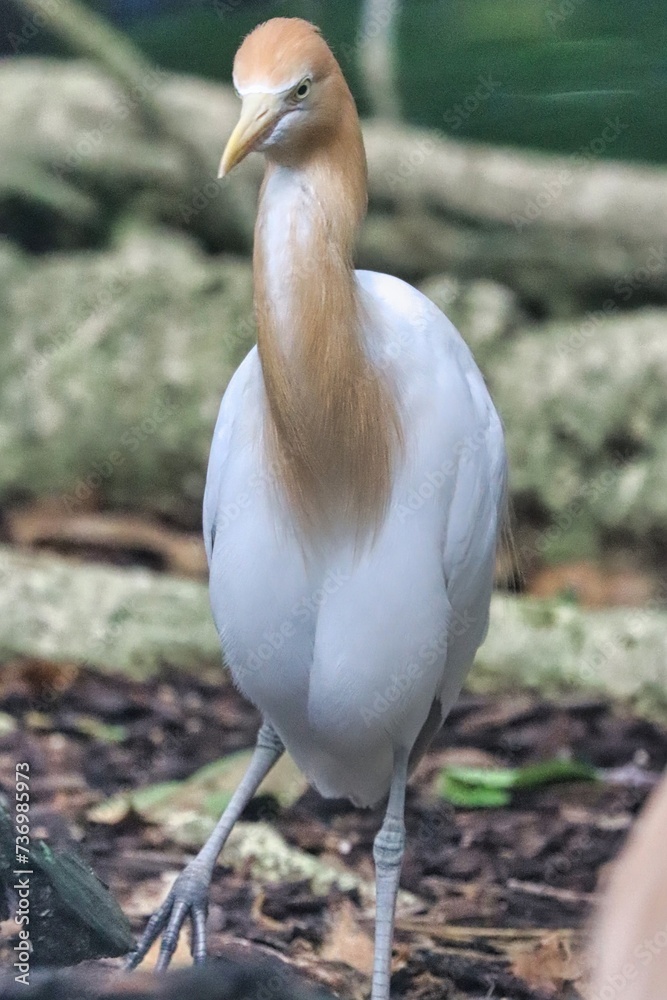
<point>355,488</point>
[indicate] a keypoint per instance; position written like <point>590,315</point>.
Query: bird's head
<point>291,87</point>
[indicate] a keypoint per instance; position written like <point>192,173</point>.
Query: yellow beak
<point>259,114</point>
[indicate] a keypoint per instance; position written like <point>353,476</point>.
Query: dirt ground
<point>504,894</point>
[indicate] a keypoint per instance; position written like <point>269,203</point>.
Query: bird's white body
<point>344,649</point>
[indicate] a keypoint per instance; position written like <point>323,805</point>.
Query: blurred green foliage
<point>544,73</point>
<point>551,74</point>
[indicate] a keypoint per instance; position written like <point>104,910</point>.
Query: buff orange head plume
<point>279,53</point>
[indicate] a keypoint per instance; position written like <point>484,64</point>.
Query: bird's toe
<point>187,898</point>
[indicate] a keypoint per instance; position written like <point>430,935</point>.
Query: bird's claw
<point>188,896</point>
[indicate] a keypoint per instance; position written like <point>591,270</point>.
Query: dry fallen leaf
<point>547,964</point>
<point>44,524</point>
<point>593,585</point>
<point>347,941</point>
<point>37,678</point>
<point>145,896</point>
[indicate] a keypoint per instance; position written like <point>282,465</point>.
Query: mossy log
<point>136,621</point>
<point>115,363</point>
<point>563,232</point>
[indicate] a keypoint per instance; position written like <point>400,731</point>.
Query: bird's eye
<point>302,91</point>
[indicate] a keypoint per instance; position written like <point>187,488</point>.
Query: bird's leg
<point>189,893</point>
<point>388,854</point>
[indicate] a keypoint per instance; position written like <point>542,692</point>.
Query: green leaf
<point>551,771</point>
<point>479,788</point>
<point>470,796</point>
<point>102,731</point>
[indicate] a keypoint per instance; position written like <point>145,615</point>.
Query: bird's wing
<point>472,503</point>
<point>474,521</point>
<point>477,506</point>
<point>228,417</point>
<point>450,404</point>
<point>460,439</point>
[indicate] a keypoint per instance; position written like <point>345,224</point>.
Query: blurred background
<point>516,153</point>
<point>517,174</point>
<point>560,67</point>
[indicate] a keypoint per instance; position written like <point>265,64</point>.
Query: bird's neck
<point>331,422</point>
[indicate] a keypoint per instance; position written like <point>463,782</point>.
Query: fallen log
<point>243,974</point>
<point>115,364</point>
<point>136,621</point>
<point>564,232</point>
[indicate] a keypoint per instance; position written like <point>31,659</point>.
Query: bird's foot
<point>188,897</point>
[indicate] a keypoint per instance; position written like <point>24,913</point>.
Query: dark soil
<point>506,892</point>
